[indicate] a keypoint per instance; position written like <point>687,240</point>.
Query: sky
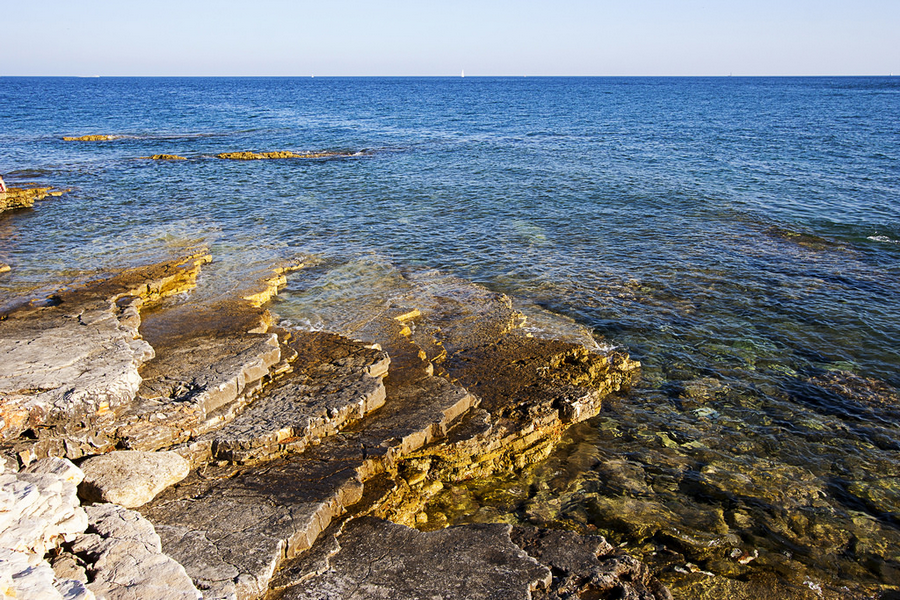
<point>423,37</point>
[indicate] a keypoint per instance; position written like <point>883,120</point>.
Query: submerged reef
<point>220,455</point>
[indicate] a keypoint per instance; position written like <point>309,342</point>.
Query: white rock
<point>127,559</point>
<point>39,509</point>
<point>56,466</point>
<point>131,478</point>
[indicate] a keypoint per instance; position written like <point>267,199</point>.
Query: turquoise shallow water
<point>738,236</point>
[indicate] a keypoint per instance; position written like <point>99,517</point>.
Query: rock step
<point>232,525</point>
<point>529,389</point>
<point>333,381</point>
<point>72,361</point>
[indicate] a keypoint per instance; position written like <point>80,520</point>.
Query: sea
<point>740,237</point>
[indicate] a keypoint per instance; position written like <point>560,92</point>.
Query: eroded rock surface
<point>72,363</point>
<point>131,478</point>
<point>372,558</point>
<point>39,511</point>
<point>126,559</point>
<point>378,559</point>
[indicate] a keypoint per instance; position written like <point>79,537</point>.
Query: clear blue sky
<point>422,37</point>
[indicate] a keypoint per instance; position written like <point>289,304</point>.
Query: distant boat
<point>463,74</point>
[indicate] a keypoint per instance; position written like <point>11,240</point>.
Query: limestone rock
<point>125,558</point>
<point>278,508</point>
<point>40,510</point>
<point>166,157</point>
<point>5,268</point>
<point>58,467</point>
<point>16,197</point>
<point>379,559</point>
<point>131,478</point>
<point>91,138</point>
<point>277,154</point>
<point>72,362</point>
<point>209,363</point>
<point>21,579</point>
<point>333,381</point>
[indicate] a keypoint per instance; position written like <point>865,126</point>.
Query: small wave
<point>882,238</point>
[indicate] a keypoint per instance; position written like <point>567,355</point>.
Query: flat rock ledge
<point>16,197</point>
<point>371,558</point>
<point>291,435</point>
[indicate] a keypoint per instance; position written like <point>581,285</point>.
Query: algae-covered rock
<point>277,155</point>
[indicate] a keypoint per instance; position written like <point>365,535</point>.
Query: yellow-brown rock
<point>91,138</point>
<point>166,157</point>
<point>275,155</point>
<point>271,285</point>
<point>16,197</point>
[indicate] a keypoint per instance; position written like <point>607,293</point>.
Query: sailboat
<point>463,74</point>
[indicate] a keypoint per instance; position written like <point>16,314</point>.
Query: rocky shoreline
<point>248,460</point>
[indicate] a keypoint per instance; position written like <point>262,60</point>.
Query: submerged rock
<point>166,157</point>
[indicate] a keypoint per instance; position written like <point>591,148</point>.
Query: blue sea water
<point>738,236</point>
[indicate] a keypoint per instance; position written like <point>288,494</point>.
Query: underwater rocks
<point>16,197</point>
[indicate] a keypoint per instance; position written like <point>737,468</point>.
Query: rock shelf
<point>266,460</point>
<point>16,197</point>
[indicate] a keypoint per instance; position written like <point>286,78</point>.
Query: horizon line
<point>520,76</point>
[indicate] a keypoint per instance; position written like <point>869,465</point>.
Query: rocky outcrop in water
<point>16,197</point>
<point>290,432</point>
<point>91,138</point>
<point>277,155</point>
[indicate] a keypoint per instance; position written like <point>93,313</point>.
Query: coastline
<point>255,410</point>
